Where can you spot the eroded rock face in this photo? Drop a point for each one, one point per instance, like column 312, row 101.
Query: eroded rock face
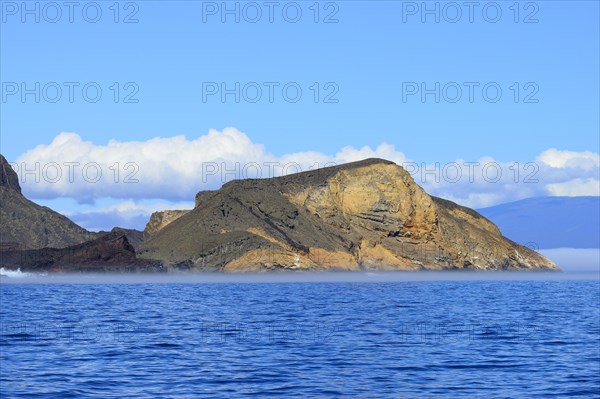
column 27, row 225
column 159, row 220
column 362, row 215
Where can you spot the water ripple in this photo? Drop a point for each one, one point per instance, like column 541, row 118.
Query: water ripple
column 450, row 339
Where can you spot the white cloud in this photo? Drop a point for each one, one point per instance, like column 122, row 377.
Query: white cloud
column 570, row 159
column 487, row 182
column 576, row 188
column 385, row 151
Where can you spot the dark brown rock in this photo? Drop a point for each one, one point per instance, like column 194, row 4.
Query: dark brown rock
column 111, row 252
column 135, row 237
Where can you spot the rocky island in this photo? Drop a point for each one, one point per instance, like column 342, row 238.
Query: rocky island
column 365, row 215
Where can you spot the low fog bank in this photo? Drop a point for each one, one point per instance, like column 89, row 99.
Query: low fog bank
column 297, row 277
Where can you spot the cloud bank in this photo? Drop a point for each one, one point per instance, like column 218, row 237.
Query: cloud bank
column 174, row 169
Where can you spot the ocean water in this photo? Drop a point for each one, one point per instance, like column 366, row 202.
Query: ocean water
column 473, row 338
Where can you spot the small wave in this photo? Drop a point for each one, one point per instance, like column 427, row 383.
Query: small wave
column 14, row 273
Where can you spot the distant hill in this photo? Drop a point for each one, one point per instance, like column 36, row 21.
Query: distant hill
column 549, row 222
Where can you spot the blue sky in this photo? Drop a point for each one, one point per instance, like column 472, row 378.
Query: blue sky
column 373, row 53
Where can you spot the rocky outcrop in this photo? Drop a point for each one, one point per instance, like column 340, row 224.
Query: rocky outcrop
column 110, row 252
column 158, row 220
column 27, row 225
column 359, row 216
column 135, row 237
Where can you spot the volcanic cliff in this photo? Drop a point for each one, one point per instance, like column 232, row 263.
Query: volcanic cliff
column 358, row 216
column 27, row 225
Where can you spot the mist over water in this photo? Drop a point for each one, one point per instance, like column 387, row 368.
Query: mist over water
column 15, row 277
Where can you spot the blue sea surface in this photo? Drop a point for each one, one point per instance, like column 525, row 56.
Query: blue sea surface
column 402, row 339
